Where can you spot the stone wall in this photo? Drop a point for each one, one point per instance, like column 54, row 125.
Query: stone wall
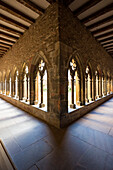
column 55, row 37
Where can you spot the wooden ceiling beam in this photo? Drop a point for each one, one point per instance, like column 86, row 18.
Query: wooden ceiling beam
column 10, row 41
column 13, row 22
column 5, row 43
column 4, row 48
column 108, row 46
column 13, row 31
column 102, row 29
column 9, row 35
column 106, row 39
column 65, row 2
column 98, row 13
column 16, row 12
column 99, row 23
column 107, row 43
column 85, row 7
column 104, row 35
column 8, row 38
column 32, row 6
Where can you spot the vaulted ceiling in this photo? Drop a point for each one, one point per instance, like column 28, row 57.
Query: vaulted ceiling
column 17, row 15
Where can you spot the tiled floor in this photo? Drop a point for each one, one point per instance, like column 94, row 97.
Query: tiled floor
column 32, row 144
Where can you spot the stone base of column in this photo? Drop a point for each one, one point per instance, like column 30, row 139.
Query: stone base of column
column 35, row 102
column 73, row 106
column 79, row 103
column 87, row 100
column 100, row 96
column 41, row 105
column 27, row 100
column 91, row 99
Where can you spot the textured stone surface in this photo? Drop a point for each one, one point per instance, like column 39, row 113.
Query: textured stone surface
column 56, row 36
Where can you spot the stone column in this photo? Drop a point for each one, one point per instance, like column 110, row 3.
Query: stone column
column 23, row 88
column 12, row 88
column 20, row 86
column 7, row 87
column 1, row 87
column 36, row 87
column 79, row 103
column 41, row 104
column 72, row 105
column 27, row 88
column 32, row 88
column 103, row 84
column 100, row 87
column 91, row 99
column 86, row 88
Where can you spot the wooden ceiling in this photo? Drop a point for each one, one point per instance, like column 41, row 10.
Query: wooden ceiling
column 17, row 15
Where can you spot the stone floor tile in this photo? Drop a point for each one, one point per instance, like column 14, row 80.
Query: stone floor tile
column 27, row 157
column 96, row 159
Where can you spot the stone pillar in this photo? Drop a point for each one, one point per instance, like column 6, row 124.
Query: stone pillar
column 86, row 88
column 36, row 90
column 79, row 103
column 94, row 88
column 23, row 88
column 72, row 105
column 103, row 84
column 20, row 86
column 41, row 104
column 7, row 87
column 32, row 88
column 91, row 99
column 100, row 87
column 12, row 88
column 27, row 81
column 1, row 87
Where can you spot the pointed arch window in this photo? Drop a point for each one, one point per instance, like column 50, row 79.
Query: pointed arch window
column 74, row 83
column 26, row 85
column 41, row 84
column 88, row 85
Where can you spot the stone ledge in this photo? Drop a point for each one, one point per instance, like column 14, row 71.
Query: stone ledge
column 68, row 118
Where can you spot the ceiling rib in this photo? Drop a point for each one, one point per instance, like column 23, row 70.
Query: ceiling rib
column 5, row 28
column 85, row 7
column 32, row 6
column 9, row 35
column 104, row 35
column 102, row 29
column 13, row 22
column 98, row 13
column 16, row 12
column 99, row 23
column 5, row 39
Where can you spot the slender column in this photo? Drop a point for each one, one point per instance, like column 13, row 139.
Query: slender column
column 72, row 105
column 103, row 84
column 36, row 102
column 12, row 88
column 20, row 86
column 7, row 87
column 91, row 89
column 1, row 87
column 41, row 104
column 86, row 87
column 100, row 87
column 23, row 88
column 27, row 86
column 110, row 86
column 79, row 92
